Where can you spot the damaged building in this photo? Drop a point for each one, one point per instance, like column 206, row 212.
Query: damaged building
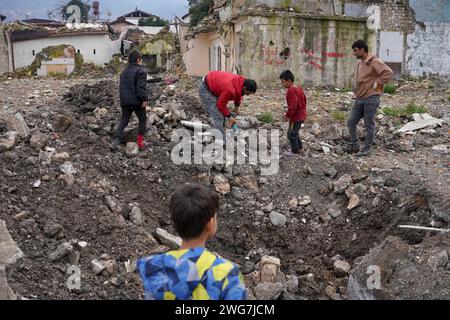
column 25, row 41
column 260, row 38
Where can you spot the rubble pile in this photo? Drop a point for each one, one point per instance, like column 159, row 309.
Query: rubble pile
column 68, row 201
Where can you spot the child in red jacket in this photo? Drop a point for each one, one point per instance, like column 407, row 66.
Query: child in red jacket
column 296, row 113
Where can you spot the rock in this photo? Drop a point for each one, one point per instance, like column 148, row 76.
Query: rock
column 315, row 129
column 268, row 208
column 330, row 291
column 221, row 184
column 341, row 268
column 38, row 141
column 247, row 181
column 17, row 123
column 277, row 219
column 293, row 202
column 63, row 156
column 304, row 201
column 22, row 215
column 325, row 217
column 358, row 189
column 113, row 204
column 269, row 267
column 353, row 202
column 82, row 244
column 110, row 266
column 136, row 216
column 62, row 123
column 131, row 149
column 8, row 140
column 97, row 267
column 237, row 193
column 10, row 260
column 437, row 260
column 333, row 132
column 74, row 257
column 342, row 183
column 46, row 156
column 268, row 291
column 292, row 283
column 67, row 168
column 330, row 172
column 395, row 270
column 67, row 179
column 63, row 250
column 171, row 241
column 158, row 111
column 144, row 164
column 54, row 230
column 333, row 210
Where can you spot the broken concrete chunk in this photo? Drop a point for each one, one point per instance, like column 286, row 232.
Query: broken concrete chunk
column 131, row 149
column 342, row 183
column 136, row 216
column 268, row 291
column 221, row 184
column 63, row 250
column 8, row 140
column 167, row 239
column 341, row 268
column 97, row 267
column 353, row 202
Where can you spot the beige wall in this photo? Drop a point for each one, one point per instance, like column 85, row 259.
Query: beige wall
column 196, row 58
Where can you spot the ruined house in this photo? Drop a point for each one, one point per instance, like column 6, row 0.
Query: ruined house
column 25, row 41
column 260, row 38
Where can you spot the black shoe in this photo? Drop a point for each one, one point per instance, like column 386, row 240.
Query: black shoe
column 366, row 151
column 351, row 148
column 115, row 144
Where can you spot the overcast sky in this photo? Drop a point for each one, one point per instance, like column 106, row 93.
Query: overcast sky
column 18, row 9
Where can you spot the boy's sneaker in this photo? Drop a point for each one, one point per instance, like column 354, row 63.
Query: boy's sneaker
column 351, row 148
column 366, row 151
column 115, row 144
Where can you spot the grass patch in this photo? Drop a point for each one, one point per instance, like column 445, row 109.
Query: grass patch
column 389, row 88
column 405, row 111
column 431, row 86
column 266, row 117
column 448, row 98
column 339, row 115
column 345, row 90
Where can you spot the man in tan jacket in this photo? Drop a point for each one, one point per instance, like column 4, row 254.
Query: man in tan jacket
column 371, row 76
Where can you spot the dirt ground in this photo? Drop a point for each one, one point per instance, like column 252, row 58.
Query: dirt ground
column 405, row 181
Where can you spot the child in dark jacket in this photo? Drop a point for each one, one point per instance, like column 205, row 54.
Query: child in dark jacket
column 296, row 113
column 193, row 272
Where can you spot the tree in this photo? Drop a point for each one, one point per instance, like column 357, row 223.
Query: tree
column 199, row 10
column 84, row 6
column 153, row 22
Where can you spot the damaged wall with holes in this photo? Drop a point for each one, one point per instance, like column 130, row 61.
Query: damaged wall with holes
column 315, row 49
column 411, row 36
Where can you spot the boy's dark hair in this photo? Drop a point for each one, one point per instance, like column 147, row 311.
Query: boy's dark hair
column 191, row 207
column 250, row 85
column 134, row 56
column 360, row 44
column 287, row 75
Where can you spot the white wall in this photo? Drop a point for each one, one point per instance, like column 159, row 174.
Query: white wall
column 86, row 43
column 428, row 50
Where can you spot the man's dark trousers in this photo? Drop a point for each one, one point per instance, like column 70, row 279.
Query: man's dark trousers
column 293, row 136
column 367, row 109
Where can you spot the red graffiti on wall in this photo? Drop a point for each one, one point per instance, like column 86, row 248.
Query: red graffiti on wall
column 316, row 65
column 312, row 55
column 270, row 55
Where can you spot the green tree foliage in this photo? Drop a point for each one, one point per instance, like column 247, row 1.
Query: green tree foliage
column 200, row 10
column 153, row 22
